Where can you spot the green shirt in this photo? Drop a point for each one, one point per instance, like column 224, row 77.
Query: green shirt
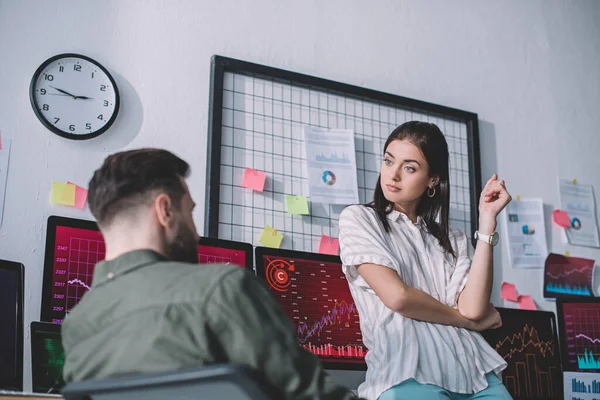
column 146, row 314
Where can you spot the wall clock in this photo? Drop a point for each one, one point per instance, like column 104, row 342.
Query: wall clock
column 74, row 96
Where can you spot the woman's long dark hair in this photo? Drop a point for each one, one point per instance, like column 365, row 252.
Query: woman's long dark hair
column 427, row 137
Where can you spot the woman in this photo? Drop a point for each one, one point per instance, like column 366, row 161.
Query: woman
column 408, row 271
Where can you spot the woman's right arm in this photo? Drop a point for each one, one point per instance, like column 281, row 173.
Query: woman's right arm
column 414, row 303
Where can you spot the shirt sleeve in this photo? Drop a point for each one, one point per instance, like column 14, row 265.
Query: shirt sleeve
column 458, row 279
column 252, row 329
column 362, row 240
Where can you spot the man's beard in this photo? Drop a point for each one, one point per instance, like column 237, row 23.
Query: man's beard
column 184, row 247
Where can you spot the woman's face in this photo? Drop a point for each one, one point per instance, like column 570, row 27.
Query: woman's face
column 404, row 173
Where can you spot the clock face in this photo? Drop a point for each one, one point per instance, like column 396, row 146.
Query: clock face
column 74, row 96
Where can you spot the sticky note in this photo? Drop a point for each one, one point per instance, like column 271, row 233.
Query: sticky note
column 526, row 303
column 296, row 204
column 0, row 140
column 254, row 179
column 62, row 193
column 80, row 195
column 329, row 245
column 270, row 237
column 561, row 218
column 508, row 291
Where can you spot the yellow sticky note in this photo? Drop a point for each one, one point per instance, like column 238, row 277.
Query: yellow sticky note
column 62, row 193
column 296, row 204
column 270, row 237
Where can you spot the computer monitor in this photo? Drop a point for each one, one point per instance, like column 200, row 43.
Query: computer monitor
column 75, row 246
column 528, row 341
column 568, row 276
column 47, row 358
column 11, row 326
column 579, row 327
column 314, row 293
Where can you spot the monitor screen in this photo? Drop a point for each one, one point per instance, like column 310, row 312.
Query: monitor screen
column 567, row 276
column 528, row 342
column 47, row 358
column 314, row 293
column 74, row 247
column 579, row 326
column 11, row 326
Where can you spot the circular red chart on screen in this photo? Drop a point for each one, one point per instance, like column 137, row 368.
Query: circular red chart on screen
column 278, row 274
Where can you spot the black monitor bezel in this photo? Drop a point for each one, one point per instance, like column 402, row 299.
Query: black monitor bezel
column 522, row 315
column 561, row 325
column 53, row 222
column 35, row 327
column 20, row 268
column 230, row 245
column 259, row 252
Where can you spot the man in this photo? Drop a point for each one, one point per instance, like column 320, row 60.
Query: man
column 153, row 308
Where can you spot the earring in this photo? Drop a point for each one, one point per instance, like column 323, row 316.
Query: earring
column 430, row 193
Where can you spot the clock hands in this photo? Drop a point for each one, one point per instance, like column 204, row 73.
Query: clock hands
column 62, row 91
column 69, row 94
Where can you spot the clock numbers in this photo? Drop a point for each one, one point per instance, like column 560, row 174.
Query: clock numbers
column 74, row 96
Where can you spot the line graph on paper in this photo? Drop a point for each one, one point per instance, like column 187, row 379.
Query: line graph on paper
column 316, row 297
column 528, row 345
column 84, row 254
column 568, row 276
column 582, row 328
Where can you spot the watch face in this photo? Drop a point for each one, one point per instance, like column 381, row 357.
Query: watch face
column 495, row 238
column 74, row 96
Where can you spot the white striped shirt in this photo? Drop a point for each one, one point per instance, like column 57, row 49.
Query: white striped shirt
column 401, row 348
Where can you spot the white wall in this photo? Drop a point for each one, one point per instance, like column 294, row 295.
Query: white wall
column 528, row 68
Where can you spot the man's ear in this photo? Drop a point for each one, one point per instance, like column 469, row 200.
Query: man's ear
column 163, row 206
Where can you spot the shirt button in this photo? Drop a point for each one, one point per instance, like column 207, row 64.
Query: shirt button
column 110, row 275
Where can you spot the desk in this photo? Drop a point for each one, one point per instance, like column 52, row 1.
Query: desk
column 29, row 396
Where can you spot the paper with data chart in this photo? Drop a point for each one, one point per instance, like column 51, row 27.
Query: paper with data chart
column 331, row 165
column 526, row 233
column 578, row 201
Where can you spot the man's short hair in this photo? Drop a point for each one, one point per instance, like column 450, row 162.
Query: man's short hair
column 129, row 179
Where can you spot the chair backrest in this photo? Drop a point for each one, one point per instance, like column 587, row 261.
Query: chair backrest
column 222, row 382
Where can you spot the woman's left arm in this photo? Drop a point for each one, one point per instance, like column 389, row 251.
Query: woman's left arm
column 473, row 301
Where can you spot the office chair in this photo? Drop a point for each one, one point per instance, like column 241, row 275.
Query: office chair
column 221, row 382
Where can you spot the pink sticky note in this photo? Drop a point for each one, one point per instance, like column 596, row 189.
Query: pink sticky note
column 0, row 140
column 80, row 195
column 561, row 218
column 254, row 179
column 508, row 291
column 329, row 245
column 526, row 303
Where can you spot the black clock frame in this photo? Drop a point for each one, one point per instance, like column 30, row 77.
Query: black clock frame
column 48, row 124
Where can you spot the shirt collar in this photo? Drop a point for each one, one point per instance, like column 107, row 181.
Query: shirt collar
column 125, row 263
column 394, row 215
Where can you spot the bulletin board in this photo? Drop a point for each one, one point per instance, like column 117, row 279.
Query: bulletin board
column 256, row 118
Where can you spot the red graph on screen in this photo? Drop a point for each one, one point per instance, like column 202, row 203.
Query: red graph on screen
column 582, row 331
column 316, row 297
column 533, row 369
column 567, row 276
column 339, row 314
column 76, row 253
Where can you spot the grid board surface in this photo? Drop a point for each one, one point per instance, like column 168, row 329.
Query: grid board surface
column 257, row 122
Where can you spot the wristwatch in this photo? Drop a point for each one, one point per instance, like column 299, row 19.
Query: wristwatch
column 492, row 239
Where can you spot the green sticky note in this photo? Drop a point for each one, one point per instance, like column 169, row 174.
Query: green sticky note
column 270, row 237
column 62, row 193
column 296, row 204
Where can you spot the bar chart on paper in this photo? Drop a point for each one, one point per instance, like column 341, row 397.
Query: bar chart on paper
column 582, row 385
